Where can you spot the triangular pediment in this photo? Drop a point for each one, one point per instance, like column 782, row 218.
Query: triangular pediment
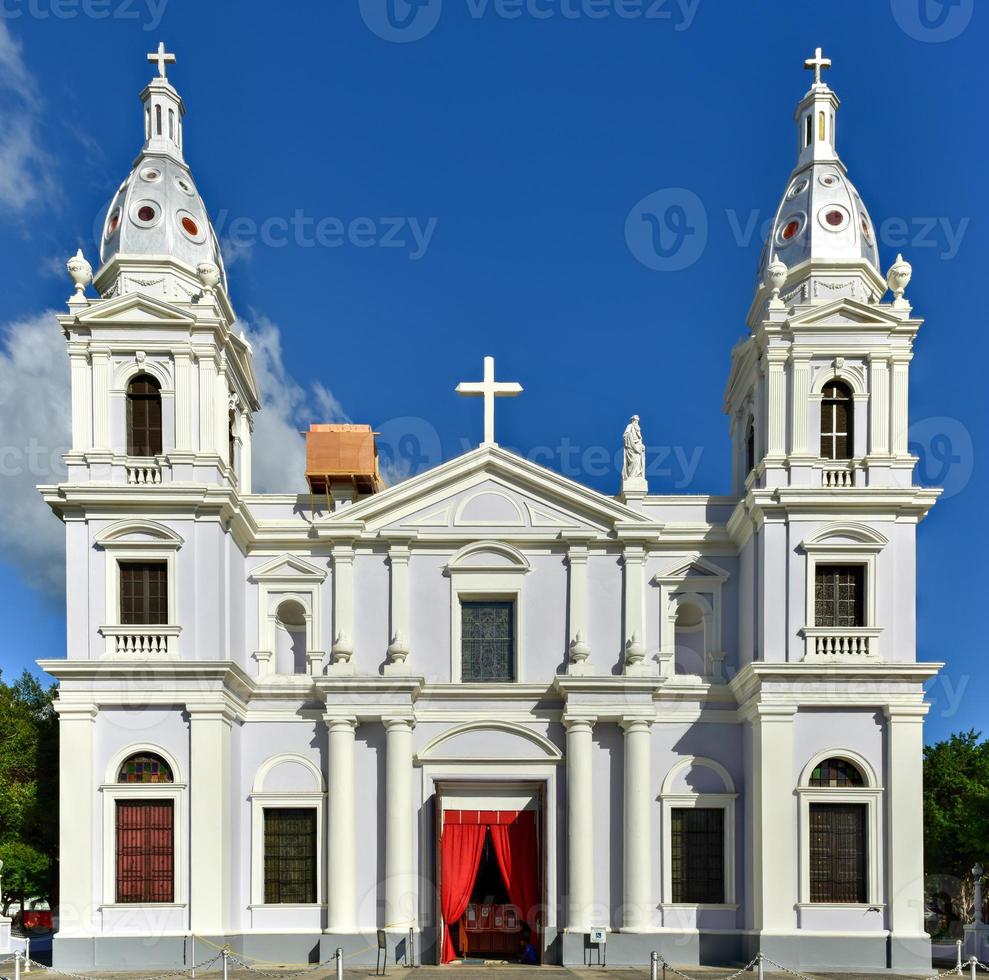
column 694, row 567
column 287, row 567
column 135, row 309
column 845, row 313
column 488, row 491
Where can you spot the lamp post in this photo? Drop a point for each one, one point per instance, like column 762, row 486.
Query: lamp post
column 977, row 872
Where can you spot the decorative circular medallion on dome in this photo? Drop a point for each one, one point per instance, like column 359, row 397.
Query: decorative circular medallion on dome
column 146, row 214
column 833, row 217
column 866, row 229
column 151, row 175
column 829, row 180
column 798, row 187
column 190, row 226
column 791, row 228
column 183, row 185
column 112, row 224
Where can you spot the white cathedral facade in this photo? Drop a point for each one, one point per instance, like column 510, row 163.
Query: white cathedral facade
column 488, row 708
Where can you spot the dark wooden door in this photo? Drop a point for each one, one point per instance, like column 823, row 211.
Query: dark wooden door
column 838, row 853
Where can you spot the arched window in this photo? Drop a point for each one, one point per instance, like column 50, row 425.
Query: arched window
column 690, row 647
column 836, row 421
column 838, row 869
column 836, row 772
column 144, row 767
column 750, row 447
column 144, row 828
column 143, row 416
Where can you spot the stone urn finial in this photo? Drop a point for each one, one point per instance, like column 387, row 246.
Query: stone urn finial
column 80, row 271
column 635, row 652
column 898, row 278
column 209, row 276
column 775, row 279
column 579, row 650
column 398, row 649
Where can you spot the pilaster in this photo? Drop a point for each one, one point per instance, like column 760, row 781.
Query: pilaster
column 798, row 411
column 343, row 605
column 210, row 839
column 82, row 412
column 398, row 561
column 207, row 424
column 879, row 404
column 100, row 357
column 183, row 401
column 900, row 403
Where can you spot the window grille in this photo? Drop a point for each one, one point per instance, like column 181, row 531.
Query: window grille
column 698, row 855
column 289, row 855
column 837, row 853
column 839, row 592
column 145, row 851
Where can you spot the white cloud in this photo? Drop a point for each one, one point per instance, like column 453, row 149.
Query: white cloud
column 278, row 451
column 34, row 422
column 25, row 168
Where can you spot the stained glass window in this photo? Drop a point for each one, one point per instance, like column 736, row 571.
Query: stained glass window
column 145, row 768
column 698, row 855
column 487, row 632
column 838, row 596
column 836, row 772
column 289, row 855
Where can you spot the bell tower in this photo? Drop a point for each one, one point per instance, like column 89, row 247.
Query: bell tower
column 163, row 387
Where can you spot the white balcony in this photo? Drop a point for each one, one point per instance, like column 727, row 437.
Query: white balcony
column 141, row 642
column 835, row 476
column 143, row 472
column 825, row 643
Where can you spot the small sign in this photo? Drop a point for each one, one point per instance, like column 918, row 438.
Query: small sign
column 597, row 936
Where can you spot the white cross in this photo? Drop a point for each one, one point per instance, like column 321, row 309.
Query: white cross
column 490, row 390
column 816, row 63
column 162, row 57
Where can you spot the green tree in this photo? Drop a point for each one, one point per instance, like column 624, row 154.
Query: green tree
column 956, row 804
column 28, row 789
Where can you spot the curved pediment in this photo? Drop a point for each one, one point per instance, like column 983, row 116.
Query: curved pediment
column 138, row 532
column 495, row 740
column 845, row 533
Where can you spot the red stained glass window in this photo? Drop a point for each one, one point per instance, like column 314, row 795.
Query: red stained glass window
column 146, row 213
column 791, row 228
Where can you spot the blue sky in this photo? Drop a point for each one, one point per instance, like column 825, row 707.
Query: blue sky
column 404, row 191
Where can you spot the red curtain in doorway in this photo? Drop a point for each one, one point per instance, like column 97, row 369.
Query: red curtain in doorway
column 518, row 858
column 461, row 846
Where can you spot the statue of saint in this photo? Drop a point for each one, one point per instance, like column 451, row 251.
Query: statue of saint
column 635, row 452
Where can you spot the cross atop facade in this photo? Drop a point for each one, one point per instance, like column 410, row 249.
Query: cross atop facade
column 816, row 63
column 162, row 57
column 489, row 389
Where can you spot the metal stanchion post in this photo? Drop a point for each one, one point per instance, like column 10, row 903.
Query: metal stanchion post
column 192, row 936
column 664, row 969
column 226, row 953
column 339, row 963
column 762, row 969
column 654, row 965
column 412, row 949
column 17, row 965
column 27, row 954
column 958, row 947
column 973, row 961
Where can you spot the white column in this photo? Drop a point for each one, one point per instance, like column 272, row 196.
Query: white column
column 900, row 403
column 207, row 404
column 210, row 839
column 878, row 405
column 398, row 560
column 400, row 877
column 101, row 397
column 78, row 800
column 341, row 845
column 245, row 452
column 637, row 833
column 577, row 560
column 905, row 828
column 776, row 407
column 580, row 825
column 798, row 410
column 82, row 409
column 773, row 838
column 183, row 401
column 343, row 602
column 221, row 408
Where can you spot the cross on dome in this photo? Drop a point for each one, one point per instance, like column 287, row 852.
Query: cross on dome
column 816, row 63
column 163, row 57
column 489, row 389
